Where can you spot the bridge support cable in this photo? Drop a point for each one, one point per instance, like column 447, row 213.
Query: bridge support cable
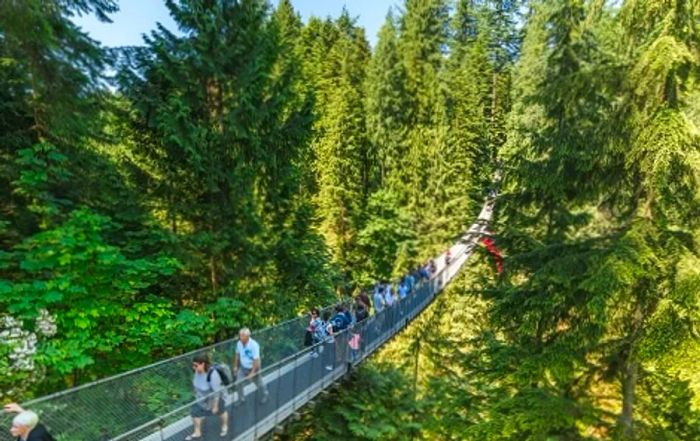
column 153, row 403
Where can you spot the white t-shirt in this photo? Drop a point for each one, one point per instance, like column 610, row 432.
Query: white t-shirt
column 388, row 296
column 248, row 353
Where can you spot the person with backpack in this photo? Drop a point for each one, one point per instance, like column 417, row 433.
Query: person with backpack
column 26, row 426
column 354, row 343
column 424, row 273
column 246, row 366
column 316, row 332
column 339, row 323
column 411, row 279
column 340, row 320
column 209, row 384
column 349, row 317
column 321, row 333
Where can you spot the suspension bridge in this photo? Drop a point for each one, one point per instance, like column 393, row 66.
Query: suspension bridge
column 153, row 403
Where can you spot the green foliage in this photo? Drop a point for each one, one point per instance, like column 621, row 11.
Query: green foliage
column 388, row 107
column 376, row 403
column 251, row 162
column 100, row 297
column 590, row 301
column 340, row 142
column 228, row 159
column 56, row 67
column 384, row 235
column 670, row 418
column 424, row 28
column 42, row 169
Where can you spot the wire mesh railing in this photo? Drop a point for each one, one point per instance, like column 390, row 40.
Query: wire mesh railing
column 117, row 404
column 293, row 382
column 153, row 403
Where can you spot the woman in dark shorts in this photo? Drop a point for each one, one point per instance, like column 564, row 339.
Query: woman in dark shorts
column 206, row 381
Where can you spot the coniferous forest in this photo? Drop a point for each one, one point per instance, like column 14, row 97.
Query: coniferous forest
column 250, row 165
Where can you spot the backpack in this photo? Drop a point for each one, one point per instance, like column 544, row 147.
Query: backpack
column 224, row 373
column 348, row 318
column 339, row 322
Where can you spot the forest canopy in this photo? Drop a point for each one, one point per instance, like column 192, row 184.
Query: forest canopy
column 156, row 198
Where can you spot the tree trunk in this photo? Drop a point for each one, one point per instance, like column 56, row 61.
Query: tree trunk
column 212, row 271
column 629, row 383
column 630, row 374
column 494, row 102
column 414, row 431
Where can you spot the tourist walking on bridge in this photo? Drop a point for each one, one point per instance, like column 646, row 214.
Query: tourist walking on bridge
column 404, row 288
column 26, row 426
column 378, row 298
column 364, row 298
column 388, row 295
column 246, row 366
column 209, row 389
column 361, row 310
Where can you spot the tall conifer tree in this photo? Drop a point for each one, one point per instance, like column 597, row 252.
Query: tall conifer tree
column 341, row 144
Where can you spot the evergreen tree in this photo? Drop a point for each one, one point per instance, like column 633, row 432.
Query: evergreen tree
column 424, row 30
column 302, row 269
column 422, row 44
column 387, row 235
column 592, row 274
column 661, row 163
column 388, row 109
column 341, row 145
column 50, row 79
column 468, row 167
column 223, row 116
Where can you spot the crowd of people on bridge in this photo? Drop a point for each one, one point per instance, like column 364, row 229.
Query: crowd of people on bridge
column 384, row 295
column 210, row 379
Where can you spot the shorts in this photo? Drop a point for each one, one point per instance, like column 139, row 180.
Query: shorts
column 199, row 411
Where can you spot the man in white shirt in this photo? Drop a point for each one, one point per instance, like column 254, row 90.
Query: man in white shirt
column 378, row 301
column 388, row 296
column 246, row 365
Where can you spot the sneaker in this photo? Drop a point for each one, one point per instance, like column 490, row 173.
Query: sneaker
column 314, row 355
column 329, row 368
